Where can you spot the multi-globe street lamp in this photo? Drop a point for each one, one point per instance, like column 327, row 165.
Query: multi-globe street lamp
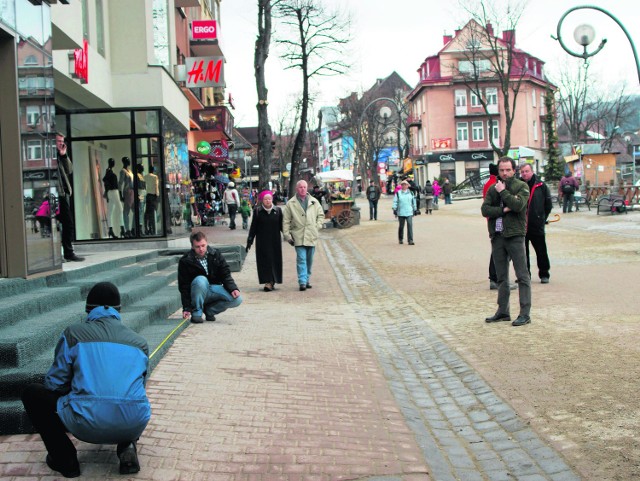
column 585, row 34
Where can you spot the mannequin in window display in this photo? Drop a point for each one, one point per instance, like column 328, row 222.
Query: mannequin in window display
column 114, row 200
column 153, row 190
column 142, row 194
column 125, row 184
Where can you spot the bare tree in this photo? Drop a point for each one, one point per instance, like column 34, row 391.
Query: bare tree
column 313, row 46
column 264, row 128
column 286, row 125
column 586, row 109
column 493, row 61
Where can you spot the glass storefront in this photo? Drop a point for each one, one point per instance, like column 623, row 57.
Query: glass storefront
column 124, row 171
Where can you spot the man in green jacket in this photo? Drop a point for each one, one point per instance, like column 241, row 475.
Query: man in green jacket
column 505, row 207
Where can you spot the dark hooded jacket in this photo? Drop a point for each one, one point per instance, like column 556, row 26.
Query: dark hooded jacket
column 539, row 207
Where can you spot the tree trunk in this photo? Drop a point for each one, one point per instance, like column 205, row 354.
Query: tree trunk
column 264, row 129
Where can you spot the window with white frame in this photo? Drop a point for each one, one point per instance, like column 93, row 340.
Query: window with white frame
column 462, row 129
column 477, row 130
column 543, row 135
column 535, row 130
column 469, row 67
column 34, row 150
column 33, row 114
column 534, row 95
column 475, row 101
column 495, row 131
column 461, row 98
column 491, row 95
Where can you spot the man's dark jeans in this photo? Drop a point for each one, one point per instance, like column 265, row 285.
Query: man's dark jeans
column 567, row 202
column 373, row 209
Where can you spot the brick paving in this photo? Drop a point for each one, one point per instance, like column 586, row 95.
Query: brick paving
column 345, row 381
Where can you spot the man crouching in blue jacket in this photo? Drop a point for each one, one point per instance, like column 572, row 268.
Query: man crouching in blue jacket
column 95, row 388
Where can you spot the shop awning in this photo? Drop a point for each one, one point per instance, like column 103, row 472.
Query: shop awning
column 335, row 176
column 210, row 159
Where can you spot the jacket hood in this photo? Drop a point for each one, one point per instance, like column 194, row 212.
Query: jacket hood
column 102, row 312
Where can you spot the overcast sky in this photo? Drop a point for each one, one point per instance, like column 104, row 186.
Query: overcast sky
column 398, row 35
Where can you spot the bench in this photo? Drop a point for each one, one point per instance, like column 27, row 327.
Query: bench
column 612, row 203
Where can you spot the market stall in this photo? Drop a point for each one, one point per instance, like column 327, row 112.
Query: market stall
column 341, row 204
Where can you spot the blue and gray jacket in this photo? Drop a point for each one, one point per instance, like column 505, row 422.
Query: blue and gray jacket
column 100, row 366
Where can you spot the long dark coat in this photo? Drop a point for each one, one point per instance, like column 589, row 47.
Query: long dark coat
column 265, row 229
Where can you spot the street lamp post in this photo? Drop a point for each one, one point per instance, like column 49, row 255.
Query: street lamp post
column 384, row 114
column 585, row 34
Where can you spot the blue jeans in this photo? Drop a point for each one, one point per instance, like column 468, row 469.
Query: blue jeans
column 447, row 199
column 304, row 261
column 373, row 209
column 212, row 298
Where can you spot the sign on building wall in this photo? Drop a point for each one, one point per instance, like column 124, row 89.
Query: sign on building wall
column 205, row 72
column 204, row 30
column 437, row 144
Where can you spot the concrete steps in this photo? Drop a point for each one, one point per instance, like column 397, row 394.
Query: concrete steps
column 34, row 312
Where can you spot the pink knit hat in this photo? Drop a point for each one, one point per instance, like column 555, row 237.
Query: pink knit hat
column 263, row 193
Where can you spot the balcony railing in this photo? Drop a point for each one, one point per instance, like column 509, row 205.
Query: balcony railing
column 414, row 121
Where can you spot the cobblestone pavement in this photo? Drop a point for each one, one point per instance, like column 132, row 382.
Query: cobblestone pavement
column 385, row 370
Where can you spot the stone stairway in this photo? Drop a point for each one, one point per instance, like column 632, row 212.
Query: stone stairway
column 34, row 312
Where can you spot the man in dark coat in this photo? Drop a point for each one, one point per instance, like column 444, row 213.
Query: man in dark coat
column 373, row 195
column 205, row 282
column 65, row 191
column 538, row 211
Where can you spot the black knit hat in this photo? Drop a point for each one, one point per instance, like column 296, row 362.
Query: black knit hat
column 103, row 294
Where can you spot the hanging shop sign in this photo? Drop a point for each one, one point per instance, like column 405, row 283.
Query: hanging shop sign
column 204, row 30
column 79, row 63
column 205, row 72
column 203, row 147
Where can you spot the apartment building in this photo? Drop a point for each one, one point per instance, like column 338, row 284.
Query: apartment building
column 450, row 128
column 106, row 75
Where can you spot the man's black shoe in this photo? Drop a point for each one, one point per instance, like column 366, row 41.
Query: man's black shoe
column 497, row 317
column 308, row 286
column 67, row 472
column 521, row 321
column 544, row 280
column 197, row 319
column 74, row 258
column 211, row 318
column 303, row 287
column 400, row 241
column 129, row 460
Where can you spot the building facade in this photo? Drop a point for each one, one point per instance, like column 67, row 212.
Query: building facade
column 103, row 75
column 450, row 128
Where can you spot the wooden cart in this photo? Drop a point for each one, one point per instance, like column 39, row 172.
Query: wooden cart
column 341, row 214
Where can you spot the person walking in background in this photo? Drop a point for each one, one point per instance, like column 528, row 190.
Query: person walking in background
column 245, row 212
column 505, row 206
column 303, row 217
column 404, row 205
column 232, row 199
column 428, row 197
column 566, row 189
column 447, row 188
column 265, row 230
column 65, row 191
column 153, row 191
column 43, row 216
column 538, row 211
column 205, row 282
column 95, row 388
column 437, row 190
column 373, row 195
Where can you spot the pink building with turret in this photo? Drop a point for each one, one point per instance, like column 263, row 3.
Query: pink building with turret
column 450, row 129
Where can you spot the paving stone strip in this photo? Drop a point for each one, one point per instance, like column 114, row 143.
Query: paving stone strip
column 465, row 430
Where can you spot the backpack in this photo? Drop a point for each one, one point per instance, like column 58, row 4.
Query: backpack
column 568, row 189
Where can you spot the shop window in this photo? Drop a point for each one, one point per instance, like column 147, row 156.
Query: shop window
column 147, row 122
column 101, row 124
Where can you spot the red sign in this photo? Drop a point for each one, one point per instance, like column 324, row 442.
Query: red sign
column 204, row 30
column 204, row 72
column 437, row 144
column 81, row 62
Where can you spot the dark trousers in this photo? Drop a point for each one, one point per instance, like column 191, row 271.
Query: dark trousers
column 150, row 214
column 503, row 248
column 41, row 405
column 66, row 223
column 409, row 221
column 540, row 246
column 493, row 276
column 373, row 209
column 567, row 202
column 233, row 209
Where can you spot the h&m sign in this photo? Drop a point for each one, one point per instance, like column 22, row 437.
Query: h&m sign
column 205, row 72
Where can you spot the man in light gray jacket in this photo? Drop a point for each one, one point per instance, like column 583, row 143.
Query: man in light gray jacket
column 303, row 217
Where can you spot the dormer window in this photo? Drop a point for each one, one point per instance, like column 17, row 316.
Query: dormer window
column 31, row 60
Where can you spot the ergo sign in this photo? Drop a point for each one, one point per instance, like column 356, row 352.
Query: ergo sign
column 204, row 30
